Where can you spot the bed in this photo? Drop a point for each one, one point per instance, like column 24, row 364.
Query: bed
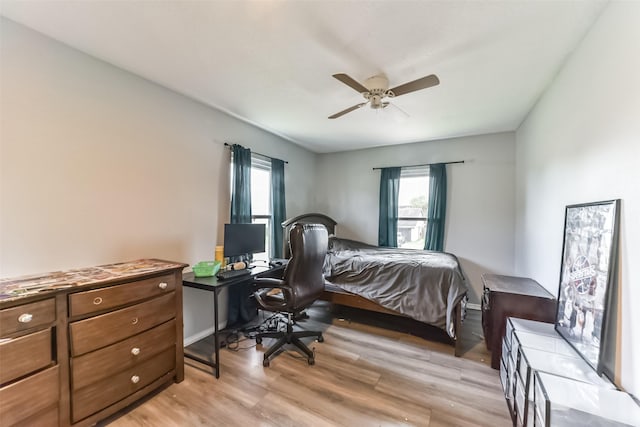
column 423, row 285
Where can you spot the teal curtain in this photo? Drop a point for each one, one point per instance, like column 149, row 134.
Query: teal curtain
column 241, row 308
column 388, row 218
column 241, row 186
column 434, row 240
column 278, row 206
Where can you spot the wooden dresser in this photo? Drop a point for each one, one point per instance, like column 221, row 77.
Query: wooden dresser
column 29, row 370
column 78, row 346
column 508, row 296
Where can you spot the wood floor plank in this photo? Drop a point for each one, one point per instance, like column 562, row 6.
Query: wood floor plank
column 364, row 375
column 302, row 385
column 360, row 397
column 447, row 419
column 397, row 360
column 282, row 411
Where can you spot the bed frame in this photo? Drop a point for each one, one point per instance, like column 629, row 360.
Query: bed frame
column 346, row 298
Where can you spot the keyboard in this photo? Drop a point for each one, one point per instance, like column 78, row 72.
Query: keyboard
column 232, row 274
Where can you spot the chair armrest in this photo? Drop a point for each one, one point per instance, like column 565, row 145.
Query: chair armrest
column 268, row 282
column 262, row 297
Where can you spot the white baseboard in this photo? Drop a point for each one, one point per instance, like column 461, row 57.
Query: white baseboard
column 472, row 306
column 197, row 337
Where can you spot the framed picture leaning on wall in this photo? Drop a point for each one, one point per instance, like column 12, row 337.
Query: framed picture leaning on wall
column 589, row 255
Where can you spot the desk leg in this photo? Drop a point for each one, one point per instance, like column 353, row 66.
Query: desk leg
column 215, row 332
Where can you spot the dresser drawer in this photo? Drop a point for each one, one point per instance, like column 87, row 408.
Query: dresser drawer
column 50, row 417
column 27, row 316
column 101, row 394
column 29, row 396
column 104, row 363
column 21, row 356
column 97, row 332
column 95, row 300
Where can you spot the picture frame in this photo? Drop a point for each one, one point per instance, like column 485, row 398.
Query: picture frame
column 589, row 260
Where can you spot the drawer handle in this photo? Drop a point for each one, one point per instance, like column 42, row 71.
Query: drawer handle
column 162, row 285
column 25, row 318
column 97, row 301
column 135, row 379
column 134, row 321
column 135, row 351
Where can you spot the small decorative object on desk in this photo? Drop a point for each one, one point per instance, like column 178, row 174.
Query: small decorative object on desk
column 206, row 268
column 220, row 256
column 240, row 265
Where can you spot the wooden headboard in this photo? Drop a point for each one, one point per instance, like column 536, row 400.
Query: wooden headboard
column 310, row 218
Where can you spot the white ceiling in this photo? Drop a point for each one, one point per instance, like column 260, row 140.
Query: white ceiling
column 270, row 62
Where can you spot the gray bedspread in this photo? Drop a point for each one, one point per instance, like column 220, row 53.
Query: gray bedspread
column 423, row 285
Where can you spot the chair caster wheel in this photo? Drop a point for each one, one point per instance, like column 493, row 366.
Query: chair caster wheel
column 320, row 338
column 265, row 363
column 258, row 340
column 311, row 361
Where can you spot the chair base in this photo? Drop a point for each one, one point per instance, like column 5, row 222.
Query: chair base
column 289, row 337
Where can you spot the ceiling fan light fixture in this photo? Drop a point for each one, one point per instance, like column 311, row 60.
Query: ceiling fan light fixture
column 377, row 84
column 376, row 102
column 375, row 89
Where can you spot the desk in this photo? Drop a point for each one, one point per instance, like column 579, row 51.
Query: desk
column 212, row 284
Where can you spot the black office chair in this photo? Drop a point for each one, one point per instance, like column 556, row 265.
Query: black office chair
column 302, row 284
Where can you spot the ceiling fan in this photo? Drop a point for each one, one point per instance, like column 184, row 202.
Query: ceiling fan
column 376, row 89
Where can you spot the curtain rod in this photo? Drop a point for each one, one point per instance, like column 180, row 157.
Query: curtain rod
column 426, row 164
column 263, row 155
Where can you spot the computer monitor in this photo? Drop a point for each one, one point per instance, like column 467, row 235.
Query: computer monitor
column 243, row 239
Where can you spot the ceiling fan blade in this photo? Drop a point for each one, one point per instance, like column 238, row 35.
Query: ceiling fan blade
column 351, row 82
column 348, row 110
column 419, row 84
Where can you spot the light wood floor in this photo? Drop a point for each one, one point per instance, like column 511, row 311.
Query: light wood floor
column 364, row 375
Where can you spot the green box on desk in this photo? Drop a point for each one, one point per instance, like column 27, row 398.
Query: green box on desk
column 206, row 268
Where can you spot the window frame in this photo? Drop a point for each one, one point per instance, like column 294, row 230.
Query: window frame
column 413, row 172
column 261, row 162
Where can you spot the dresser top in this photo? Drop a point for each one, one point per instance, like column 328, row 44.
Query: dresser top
column 515, row 285
column 37, row 284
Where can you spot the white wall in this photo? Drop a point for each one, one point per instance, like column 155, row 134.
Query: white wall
column 98, row 165
column 581, row 143
column 480, row 204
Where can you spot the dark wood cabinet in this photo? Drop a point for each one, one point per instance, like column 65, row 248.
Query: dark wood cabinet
column 78, row 346
column 29, row 384
column 508, row 296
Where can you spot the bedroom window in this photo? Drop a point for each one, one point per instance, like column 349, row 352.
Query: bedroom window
column 261, row 212
column 412, row 207
column 258, row 195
